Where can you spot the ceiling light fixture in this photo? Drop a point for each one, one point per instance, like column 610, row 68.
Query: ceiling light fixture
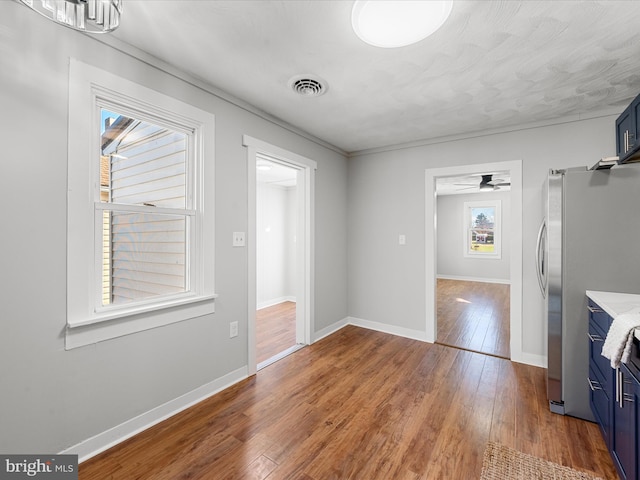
column 397, row 23
column 93, row 16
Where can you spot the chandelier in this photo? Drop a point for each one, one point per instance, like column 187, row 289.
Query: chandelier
column 94, row 16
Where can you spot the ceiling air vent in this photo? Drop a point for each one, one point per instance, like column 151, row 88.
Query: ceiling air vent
column 308, row 85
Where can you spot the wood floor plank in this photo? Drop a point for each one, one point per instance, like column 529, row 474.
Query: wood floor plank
column 460, row 444
column 360, row 404
column 259, row 469
column 527, row 414
column 474, row 316
column 503, row 425
column 275, row 330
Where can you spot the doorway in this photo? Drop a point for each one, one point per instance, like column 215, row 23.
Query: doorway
column 473, row 213
column 301, row 248
column 465, row 300
column 276, row 269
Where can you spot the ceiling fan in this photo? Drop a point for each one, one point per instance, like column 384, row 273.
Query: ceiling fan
column 487, row 182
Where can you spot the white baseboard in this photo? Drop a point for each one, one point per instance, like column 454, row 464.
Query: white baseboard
column 333, row 328
column 275, row 301
column 393, row 330
column 475, row 279
column 105, row 440
column 379, row 327
column 526, row 358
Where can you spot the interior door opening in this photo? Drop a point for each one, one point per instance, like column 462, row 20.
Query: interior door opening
column 277, row 274
column 262, row 153
column 435, row 226
column 472, row 262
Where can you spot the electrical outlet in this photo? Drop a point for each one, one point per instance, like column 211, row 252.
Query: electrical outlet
column 233, row 329
column 238, row 239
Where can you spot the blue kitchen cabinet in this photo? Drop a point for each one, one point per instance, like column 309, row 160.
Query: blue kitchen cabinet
column 625, row 126
column 600, row 372
column 614, row 398
column 628, row 133
column 624, row 443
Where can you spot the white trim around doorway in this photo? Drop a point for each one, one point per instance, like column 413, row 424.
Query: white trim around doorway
column 515, row 169
column 306, row 194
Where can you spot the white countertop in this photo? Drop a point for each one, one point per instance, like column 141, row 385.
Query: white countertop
column 615, row 303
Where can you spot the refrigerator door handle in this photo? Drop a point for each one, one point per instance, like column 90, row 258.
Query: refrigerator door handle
column 542, row 279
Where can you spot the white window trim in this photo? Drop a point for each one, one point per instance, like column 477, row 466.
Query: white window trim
column 85, row 323
column 497, row 229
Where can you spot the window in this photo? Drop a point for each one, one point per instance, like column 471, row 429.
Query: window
column 482, row 229
column 145, row 248
column 140, row 220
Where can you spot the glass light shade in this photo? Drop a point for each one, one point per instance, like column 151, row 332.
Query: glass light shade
column 397, row 23
column 94, row 16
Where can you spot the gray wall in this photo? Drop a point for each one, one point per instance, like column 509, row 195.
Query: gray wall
column 387, row 196
column 276, row 216
column 52, row 398
column 451, row 239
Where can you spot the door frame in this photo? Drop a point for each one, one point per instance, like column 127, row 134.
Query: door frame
column 304, row 242
column 515, row 228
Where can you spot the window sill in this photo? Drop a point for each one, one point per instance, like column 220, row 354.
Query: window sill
column 121, row 323
column 131, row 311
column 490, row 256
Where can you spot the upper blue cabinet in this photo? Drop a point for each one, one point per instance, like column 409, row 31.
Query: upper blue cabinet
column 628, row 133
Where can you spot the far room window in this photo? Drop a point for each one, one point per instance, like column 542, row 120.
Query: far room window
column 482, row 229
column 141, row 221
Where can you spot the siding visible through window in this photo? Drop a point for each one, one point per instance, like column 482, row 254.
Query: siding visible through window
column 147, row 250
column 141, row 231
column 106, row 231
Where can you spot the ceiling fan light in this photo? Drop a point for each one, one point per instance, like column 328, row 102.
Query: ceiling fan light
column 397, row 23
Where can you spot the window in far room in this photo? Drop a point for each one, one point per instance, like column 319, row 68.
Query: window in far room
column 482, row 229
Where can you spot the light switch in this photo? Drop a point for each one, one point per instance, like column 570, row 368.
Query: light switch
column 238, row 239
column 402, row 240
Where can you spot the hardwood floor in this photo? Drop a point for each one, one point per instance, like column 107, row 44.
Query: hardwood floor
column 275, row 330
column 360, row 404
column 474, row 316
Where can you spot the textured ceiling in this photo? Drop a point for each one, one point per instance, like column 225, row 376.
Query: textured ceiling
column 494, row 64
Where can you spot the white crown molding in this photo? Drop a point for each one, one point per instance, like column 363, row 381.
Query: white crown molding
column 169, row 69
column 485, row 133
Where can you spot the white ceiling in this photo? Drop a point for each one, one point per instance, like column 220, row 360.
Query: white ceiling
column 276, row 174
column 494, row 64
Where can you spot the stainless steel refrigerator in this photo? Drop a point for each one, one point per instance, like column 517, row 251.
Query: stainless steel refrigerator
column 589, row 240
